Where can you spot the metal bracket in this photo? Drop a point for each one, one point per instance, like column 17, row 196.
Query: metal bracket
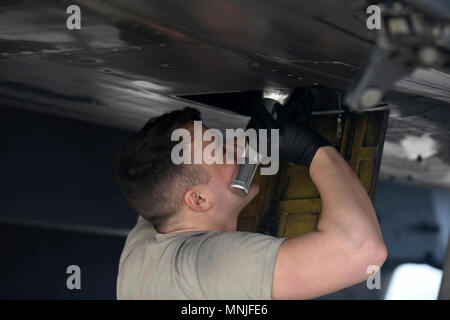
column 408, row 38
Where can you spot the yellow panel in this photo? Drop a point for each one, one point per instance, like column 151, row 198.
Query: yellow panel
column 300, row 205
column 374, row 130
column 247, row 223
column 368, row 139
column 366, row 173
column 291, row 197
column 296, row 224
column 296, row 183
column 298, row 217
column 326, row 125
column 250, row 217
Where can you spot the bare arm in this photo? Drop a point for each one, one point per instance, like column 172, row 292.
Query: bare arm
column 348, row 238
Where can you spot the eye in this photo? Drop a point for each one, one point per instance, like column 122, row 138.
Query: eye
column 226, row 146
column 226, row 150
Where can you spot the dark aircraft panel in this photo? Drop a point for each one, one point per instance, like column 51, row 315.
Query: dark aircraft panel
column 135, row 59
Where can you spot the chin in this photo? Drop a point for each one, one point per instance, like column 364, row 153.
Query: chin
column 241, row 201
column 254, row 190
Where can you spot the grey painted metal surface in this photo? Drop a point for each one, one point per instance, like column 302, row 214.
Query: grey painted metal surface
column 132, row 60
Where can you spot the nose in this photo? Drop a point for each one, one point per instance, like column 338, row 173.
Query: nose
column 231, row 148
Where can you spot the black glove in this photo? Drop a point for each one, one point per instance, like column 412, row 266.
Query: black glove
column 298, row 143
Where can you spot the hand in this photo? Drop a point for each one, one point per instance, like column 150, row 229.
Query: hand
column 298, row 143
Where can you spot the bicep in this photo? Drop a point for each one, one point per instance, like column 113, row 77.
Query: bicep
column 314, row 265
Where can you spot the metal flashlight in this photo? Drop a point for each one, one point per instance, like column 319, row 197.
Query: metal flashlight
column 246, row 172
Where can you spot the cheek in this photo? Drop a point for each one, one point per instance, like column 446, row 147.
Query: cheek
column 233, row 168
column 228, row 172
column 220, row 181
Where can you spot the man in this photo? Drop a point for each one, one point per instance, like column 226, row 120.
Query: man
column 185, row 244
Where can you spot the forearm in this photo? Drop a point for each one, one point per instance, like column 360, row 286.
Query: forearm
column 347, row 241
column 346, row 208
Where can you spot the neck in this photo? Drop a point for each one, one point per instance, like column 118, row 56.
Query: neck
column 203, row 225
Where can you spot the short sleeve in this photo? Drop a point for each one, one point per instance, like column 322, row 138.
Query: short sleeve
column 142, row 231
column 237, row 265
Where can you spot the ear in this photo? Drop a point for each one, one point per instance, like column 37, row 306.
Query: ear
column 197, row 199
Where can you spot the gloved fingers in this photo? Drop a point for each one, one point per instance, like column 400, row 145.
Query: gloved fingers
column 261, row 118
column 305, row 111
column 299, row 105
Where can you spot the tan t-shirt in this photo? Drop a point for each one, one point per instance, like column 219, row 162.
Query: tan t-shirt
column 196, row 265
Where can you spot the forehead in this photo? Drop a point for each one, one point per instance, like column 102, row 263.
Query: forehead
column 199, row 130
column 216, row 136
column 190, row 127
